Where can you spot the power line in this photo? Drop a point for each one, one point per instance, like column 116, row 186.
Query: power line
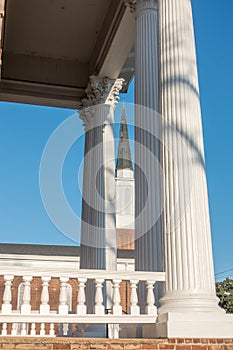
column 220, row 273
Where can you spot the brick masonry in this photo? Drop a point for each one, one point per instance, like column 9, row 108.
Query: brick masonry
column 30, row 343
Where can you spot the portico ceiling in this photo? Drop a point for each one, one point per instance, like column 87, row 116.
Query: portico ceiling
column 51, row 47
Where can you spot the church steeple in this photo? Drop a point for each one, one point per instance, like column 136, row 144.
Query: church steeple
column 125, row 186
column 124, row 160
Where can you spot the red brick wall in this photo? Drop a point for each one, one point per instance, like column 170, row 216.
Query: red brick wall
column 120, row 344
column 125, row 239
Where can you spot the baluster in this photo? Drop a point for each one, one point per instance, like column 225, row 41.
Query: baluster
column 26, row 306
column 24, row 329
column 33, row 329
column 117, row 308
column 42, row 328
column 44, row 306
column 99, row 308
column 151, row 309
column 113, row 331
column 81, row 307
column 65, row 328
column 51, row 330
column 134, row 308
column 4, row 328
column 63, row 307
column 7, row 296
column 13, row 329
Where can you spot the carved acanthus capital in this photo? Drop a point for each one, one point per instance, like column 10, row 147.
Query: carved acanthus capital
column 103, row 90
column 138, row 5
column 99, row 91
column 113, row 96
column 86, row 114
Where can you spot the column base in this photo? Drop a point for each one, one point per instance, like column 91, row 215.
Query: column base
column 188, row 302
column 190, row 325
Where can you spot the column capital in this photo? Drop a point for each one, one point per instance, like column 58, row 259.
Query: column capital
column 86, row 114
column 139, row 5
column 102, row 91
column 99, row 91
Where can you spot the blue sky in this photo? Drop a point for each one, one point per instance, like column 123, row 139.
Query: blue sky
column 25, row 130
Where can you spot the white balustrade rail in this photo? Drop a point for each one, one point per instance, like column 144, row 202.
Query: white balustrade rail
column 43, row 321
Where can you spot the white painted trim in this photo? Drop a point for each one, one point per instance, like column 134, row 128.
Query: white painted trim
column 72, row 318
column 90, row 274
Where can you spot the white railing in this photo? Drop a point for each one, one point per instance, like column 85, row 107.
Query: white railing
column 46, row 322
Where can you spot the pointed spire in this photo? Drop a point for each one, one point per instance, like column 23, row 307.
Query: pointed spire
column 124, row 160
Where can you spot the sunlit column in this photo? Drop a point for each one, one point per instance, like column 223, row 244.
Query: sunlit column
column 148, row 231
column 190, row 281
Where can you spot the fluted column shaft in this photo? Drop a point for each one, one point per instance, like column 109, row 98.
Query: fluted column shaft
column 92, row 235
column 187, row 238
column 98, row 236
column 109, row 191
column 148, row 245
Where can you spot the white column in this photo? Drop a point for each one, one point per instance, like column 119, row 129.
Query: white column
column 44, row 306
column 187, row 251
column 7, row 295
column 26, row 306
column 148, row 228
column 63, row 307
column 98, row 236
column 88, row 253
column 2, row 6
column 190, row 284
column 148, row 245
